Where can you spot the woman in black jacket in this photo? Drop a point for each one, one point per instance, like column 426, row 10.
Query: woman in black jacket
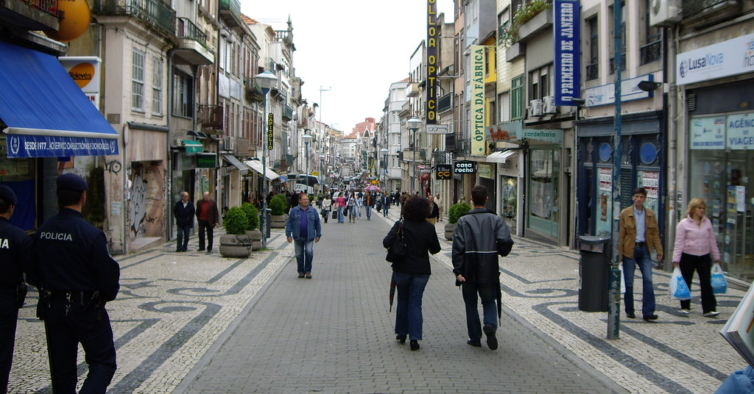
column 411, row 274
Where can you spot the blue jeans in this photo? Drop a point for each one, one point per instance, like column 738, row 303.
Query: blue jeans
column 408, row 314
column 641, row 256
column 369, row 212
column 304, row 255
column 488, row 293
column 385, row 208
column 341, row 218
column 182, row 239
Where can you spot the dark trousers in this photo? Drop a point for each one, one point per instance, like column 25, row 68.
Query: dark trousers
column 181, row 242
column 88, row 326
column 203, row 224
column 488, row 293
column 8, row 318
column 703, row 266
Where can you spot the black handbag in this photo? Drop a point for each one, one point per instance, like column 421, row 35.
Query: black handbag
column 334, row 214
column 397, row 251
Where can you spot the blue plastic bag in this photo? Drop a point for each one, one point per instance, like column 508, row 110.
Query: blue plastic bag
column 679, row 290
column 719, row 283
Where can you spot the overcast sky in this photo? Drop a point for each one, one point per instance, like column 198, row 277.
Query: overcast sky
column 354, row 48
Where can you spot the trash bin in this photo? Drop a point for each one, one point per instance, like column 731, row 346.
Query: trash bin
column 594, row 270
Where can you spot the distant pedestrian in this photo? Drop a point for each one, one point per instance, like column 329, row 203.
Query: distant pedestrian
column 695, row 250
column 412, row 273
column 638, row 234
column 480, row 236
column 183, row 211
column 15, row 254
column 359, row 204
column 387, row 200
column 304, row 229
column 208, row 217
column 340, row 204
column 352, row 207
column 76, row 277
column 438, row 201
column 434, row 211
column 368, row 204
column 326, row 207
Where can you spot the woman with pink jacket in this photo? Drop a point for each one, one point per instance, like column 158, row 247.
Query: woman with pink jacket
column 695, row 249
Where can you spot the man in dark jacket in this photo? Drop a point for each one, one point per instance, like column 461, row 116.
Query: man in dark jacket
column 480, row 236
column 208, row 217
column 184, row 220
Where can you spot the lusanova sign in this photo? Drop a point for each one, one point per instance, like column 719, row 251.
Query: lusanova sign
column 731, row 57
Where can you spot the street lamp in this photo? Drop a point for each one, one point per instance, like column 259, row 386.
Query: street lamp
column 266, row 81
column 306, row 137
column 413, row 125
column 384, row 170
column 321, row 171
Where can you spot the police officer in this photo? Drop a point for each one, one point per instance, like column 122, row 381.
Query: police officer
column 76, row 277
column 15, row 249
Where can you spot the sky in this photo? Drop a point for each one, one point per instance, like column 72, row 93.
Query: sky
column 349, row 51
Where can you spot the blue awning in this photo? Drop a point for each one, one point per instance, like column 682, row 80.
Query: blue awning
column 46, row 113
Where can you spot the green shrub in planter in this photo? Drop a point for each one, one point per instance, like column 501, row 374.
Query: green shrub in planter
column 278, row 205
column 236, row 221
column 456, row 211
column 252, row 214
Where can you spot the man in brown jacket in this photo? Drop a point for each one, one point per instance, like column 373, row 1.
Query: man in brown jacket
column 208, row 217
column 638, row 234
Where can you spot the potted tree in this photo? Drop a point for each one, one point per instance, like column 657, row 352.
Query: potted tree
column 252, row 214
column 235, row 242
column 455, row 213
column 278, row 215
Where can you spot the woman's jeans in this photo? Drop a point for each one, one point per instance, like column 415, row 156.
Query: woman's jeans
column 488, row 293
column 642, row 258
column 304, row 255
column 408, row 314
column 703, row 266
column 341, row 218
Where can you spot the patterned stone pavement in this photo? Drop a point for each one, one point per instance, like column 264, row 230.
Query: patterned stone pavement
column 192, row 322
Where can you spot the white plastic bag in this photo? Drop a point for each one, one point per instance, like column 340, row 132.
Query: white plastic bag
column 719, row 283
column 622, row 280
column 679, row 290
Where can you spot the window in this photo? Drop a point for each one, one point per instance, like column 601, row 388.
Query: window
column 183, row 95
column 137, row 81
column 517, row 98
column 592, row 68
column 651, row 51
column 157, row 86
column 540, row 83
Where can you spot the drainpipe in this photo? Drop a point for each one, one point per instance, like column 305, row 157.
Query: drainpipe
column 671, row 110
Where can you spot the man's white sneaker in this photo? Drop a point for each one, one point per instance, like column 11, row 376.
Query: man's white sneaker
column 711, row 314
column 685, row 311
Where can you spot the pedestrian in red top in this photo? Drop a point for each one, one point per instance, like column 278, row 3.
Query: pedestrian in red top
column 208, row 217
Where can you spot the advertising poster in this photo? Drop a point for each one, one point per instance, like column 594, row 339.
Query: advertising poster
column 650, row 180
column 604, row 202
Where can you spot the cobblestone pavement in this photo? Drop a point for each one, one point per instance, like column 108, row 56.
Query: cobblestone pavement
column 198, row 323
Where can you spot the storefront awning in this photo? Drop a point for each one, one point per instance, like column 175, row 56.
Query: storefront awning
column 256, row 165
column 191, row 146
column 242, row 168
column 500, row 157
column 46, row 113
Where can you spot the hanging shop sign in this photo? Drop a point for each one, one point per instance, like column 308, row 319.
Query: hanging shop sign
column 444, row 171
column 206, row 160
column 567, row 51
column 465, row 167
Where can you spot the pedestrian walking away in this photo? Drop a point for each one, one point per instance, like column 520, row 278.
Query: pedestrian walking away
column 184, row 220
column 386, row 202
column 412, row 272
column 695, row 250
column 480, row 237
column 15, row 254
column 208, row 217
column 638, row 235
column 438, row 201
column 434, row 211
column 76, row 277
column 304, row 229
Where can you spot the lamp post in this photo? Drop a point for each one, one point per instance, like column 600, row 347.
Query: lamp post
column 384, row 168
column 413, row 125
column 321, row 171
column 266, row 81
column 306, row 137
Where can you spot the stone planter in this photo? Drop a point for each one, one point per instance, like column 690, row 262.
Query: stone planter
column 450, row 230
column 278, row 221
column 256, row 239
column 235, row 245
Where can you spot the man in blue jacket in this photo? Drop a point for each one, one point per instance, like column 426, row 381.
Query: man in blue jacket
column 303, row 227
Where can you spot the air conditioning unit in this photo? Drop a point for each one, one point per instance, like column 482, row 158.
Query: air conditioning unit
column 549, row 105
column 228, row 144
column 664, row 12
column 535, row 107
column 177, row 142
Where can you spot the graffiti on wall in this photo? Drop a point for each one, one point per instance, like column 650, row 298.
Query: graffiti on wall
column 148, row 188
column 138, row 210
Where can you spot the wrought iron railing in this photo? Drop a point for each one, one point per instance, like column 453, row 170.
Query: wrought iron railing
column 592, row 71
column 47, row 6
column 622, row 63
column 693, row 7
column 651, row 52
column 185, row 28
column 287, row 112
column 445, row 102
column 155, row 13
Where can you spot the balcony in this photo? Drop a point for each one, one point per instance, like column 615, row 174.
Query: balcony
column 701, row 13
column 252, row 91
column 462, row 146
column 413, row 90
column 287, row 113
column 153, row 13
column 210, row 117
column 230, row 12
column 622, row 63
column 445, row 103
column 192, row 43
column 651, row 52
column 540, row 22
column 31, row 14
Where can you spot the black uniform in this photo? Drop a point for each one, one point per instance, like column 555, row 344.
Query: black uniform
column 76, row 277
column 15, row 248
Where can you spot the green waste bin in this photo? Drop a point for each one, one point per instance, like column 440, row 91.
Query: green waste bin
column 594, row 270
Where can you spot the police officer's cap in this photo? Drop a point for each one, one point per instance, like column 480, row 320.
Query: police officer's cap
column 71, row 182
column 7, row 195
